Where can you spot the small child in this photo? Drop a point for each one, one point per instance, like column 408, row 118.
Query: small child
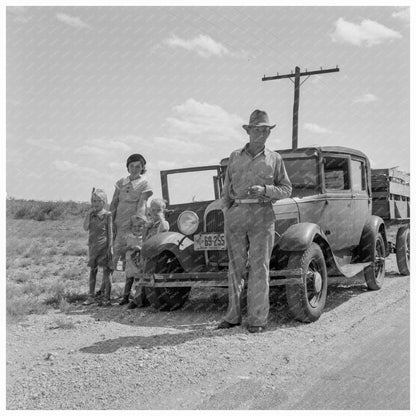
column 98, row 223
column 157, row 221
column 156, row 224
column 134, row 242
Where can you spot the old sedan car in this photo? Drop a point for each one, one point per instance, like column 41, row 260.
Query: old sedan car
column 324, row 232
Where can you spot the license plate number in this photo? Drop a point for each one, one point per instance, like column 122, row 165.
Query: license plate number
column 209, row 241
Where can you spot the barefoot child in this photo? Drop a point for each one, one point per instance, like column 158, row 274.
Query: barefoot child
column 134, row 242
column 98, row 223
column 156, row 224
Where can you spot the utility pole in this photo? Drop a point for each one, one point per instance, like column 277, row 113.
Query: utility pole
column 297, row 83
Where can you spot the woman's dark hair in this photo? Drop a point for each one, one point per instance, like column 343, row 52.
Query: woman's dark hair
column 137, row 157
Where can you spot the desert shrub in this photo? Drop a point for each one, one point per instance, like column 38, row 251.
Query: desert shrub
column 22, row 262
column 62, row 324
column 72, row 297
column 23, row 212
column 33, row 288
column 56, row 293
column 21, row 276
column 16, row 246
column 53, row 251
column 45, row 210
column 71, row 274
column 74, row 248
column 64, row 306
column 35, row 250
column 24, row 305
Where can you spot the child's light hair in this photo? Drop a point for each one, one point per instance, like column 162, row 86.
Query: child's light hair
column 158, row 203
column 100, row 194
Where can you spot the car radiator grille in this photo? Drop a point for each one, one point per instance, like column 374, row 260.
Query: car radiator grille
column 215, row 224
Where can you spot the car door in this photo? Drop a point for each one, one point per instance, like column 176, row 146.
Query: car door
column 361, row 198
column 337, row 219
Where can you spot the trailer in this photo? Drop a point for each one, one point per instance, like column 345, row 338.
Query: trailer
column 391, row 201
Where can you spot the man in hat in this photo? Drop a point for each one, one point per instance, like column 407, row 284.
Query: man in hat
column 255, row 178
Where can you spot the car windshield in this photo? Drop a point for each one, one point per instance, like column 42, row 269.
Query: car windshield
column 303, row 173
column 193, row 186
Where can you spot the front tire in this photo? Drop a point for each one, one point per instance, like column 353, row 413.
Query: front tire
column 307, row 300
column 374, row 274
column 167, row 298
column 403, row 250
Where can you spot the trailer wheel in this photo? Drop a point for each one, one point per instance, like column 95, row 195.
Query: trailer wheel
column 403, row 250
column 167, row 298
column 374, row 274
column 307, row 300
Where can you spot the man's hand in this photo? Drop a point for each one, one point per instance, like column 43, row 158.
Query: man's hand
column 257, row 190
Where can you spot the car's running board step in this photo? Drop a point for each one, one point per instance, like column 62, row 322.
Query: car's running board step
column 352, row 270
column 277, row 278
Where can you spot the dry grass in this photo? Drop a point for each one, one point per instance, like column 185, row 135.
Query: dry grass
column 46, row 266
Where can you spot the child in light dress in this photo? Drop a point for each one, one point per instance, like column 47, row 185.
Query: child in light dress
column 156, row 223
column 133, row 244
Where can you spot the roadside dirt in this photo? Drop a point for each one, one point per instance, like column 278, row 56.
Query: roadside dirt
column 113, row 358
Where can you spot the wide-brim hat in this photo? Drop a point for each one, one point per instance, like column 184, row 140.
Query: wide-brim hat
column 259, row 118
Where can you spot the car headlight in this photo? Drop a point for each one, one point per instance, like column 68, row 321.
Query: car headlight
column 188, row 222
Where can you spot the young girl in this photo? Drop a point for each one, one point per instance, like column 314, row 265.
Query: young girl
column 98, row 223
column 156, row 223
column 134, row 242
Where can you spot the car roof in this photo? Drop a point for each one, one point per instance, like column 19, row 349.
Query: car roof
column 326, row 149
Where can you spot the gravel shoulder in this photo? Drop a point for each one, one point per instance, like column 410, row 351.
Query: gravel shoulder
column 113, row 358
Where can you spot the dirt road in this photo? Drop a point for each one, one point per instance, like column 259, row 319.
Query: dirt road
column 356, row 356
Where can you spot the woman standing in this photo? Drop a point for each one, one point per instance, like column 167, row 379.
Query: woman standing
column 130, row 197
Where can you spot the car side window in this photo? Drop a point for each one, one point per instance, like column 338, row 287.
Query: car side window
column 336, row 173
column 358, row 175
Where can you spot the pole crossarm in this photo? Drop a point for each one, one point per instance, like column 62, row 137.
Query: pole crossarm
column 297, row 75
column 301, row 74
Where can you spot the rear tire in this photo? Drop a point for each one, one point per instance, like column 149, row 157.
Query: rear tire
column 307, row 300
column 374, row 274
column 167, row 298
column 403, row 250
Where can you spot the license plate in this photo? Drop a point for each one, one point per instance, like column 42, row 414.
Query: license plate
column 209, row 241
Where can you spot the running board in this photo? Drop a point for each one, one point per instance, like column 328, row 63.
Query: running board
column 220, row 279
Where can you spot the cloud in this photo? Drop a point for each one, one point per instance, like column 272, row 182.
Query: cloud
column 402, row 14
column 73, row 168
column 179, row 146
column 314, row 128
column 103, row 147
column 367, row 33
column 45, row 144
column 71, row 20
column 366, row 98
column 203, row 45
column 194, row 118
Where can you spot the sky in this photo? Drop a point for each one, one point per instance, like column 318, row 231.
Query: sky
column 88, row 86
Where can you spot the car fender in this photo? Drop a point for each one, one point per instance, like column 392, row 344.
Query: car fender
column 373, row 226
column 179, row 245
column 298, row 237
